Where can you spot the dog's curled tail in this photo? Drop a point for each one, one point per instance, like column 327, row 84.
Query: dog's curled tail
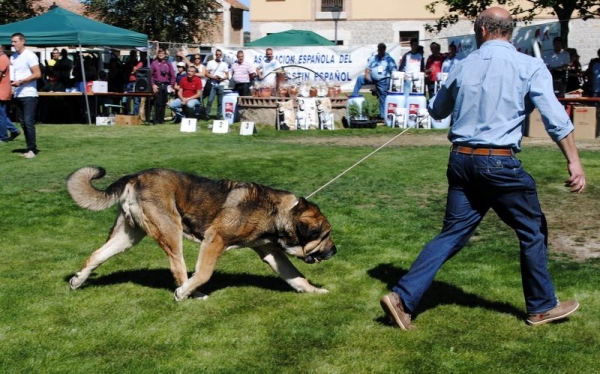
column 79, row 185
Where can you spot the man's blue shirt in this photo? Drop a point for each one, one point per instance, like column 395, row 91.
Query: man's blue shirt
column 490, row 93
column 381, row 68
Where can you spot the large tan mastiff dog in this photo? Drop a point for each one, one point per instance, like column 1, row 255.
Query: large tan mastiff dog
column 220, row 214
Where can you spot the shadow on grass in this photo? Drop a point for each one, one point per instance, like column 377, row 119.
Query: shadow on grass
column 163, row 279
column 441, row 293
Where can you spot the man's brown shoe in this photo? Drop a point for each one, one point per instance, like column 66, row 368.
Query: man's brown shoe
column 560, row 311
column 392, row 306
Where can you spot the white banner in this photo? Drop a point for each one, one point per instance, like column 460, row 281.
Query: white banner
column 337, row 64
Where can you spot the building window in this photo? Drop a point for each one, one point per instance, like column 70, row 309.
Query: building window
column 328, row 5
column 406, row 36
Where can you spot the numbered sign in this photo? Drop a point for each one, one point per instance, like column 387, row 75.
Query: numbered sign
column 247, row 128
column 188, row 125
column 220, row 127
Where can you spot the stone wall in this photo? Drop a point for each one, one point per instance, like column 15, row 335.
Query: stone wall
column 583, row 35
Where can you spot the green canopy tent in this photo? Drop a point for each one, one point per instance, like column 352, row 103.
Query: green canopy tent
column 60, row 27
column 291, row 38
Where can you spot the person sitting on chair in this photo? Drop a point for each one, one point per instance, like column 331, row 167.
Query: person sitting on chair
column 189, row 94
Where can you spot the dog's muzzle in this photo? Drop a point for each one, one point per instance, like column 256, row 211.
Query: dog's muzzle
column 320, row 256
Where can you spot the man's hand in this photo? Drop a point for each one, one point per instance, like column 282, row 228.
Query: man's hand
column 576, row 179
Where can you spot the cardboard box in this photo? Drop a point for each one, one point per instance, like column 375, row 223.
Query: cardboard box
column 584, row 120
column 126, row 120
column 99, row 86
column 535, row 126
column 105, row 121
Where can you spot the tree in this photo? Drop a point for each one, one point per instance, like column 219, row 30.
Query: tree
column 17, row 10
column 165, row 20
column 525, row 11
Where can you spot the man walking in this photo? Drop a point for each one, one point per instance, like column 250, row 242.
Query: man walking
column 26, row 71
column 489, row 110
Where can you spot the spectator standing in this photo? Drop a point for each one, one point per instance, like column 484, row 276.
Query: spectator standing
column 242, row 74
column 161, row 77
column 8, row 131
column 265, row 71
column 378, row 72
column 593, row 75
column 25, row 68
column 450, row 60
column 54, row 58
column 180, row 73
column 115, row 78
column 412, row 63
column 433, row 66
column 63, row 69
column 489, row 110
column 218, row 76
column 557, row 60
column 574, row 71
column 189, row 94
column 132, row 65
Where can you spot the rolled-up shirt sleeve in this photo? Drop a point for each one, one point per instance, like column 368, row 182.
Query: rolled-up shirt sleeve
column 541, row 92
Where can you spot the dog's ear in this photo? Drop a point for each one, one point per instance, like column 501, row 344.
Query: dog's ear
column 301, row 204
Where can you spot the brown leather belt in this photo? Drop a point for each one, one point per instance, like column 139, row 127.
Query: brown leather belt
column 482, row 151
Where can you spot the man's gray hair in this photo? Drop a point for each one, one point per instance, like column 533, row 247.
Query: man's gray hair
column 497, row 26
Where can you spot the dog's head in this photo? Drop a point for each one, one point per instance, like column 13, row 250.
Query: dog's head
column 310, row 238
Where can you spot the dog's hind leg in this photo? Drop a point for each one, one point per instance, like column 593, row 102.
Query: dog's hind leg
column 282, row 265
column 170, row 238
column 121, row 238
column 210, row 250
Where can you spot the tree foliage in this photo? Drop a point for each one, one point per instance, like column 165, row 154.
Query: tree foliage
column 165, row 20
column 526, row 11
column 17, row 10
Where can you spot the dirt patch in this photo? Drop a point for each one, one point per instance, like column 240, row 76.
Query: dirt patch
column 578, row 242
column 421, row 138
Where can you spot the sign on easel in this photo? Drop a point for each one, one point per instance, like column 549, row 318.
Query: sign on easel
column 220, row 127
column 188, row 124
column 247, row 128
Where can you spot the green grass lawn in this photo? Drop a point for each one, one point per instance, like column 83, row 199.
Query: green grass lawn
column 124, row 319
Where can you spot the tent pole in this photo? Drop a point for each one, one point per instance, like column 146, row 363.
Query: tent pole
column 87, row 102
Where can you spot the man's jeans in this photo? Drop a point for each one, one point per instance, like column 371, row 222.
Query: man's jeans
column 6, row 126
column 382, row 86
column 26, row 109
column 216, row 91
column 176, row 106
column 476, row 184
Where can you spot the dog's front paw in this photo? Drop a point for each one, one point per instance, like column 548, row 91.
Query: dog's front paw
column 180, row 294
column 319, row 290
column 75, row 282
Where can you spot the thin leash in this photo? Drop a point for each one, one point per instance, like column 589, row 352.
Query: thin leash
column 358, row 162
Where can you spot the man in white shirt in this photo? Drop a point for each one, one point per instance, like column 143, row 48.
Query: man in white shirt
column 25, row 70
column 411, row 63
column 217, row 73
column 267, row 67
